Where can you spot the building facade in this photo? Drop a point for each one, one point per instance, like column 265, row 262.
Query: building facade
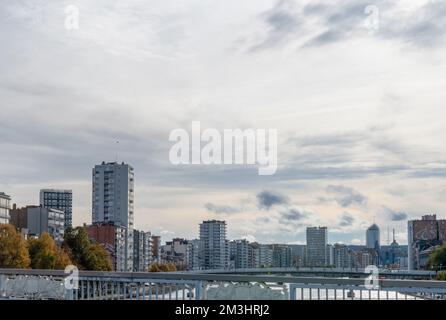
column 175, row 252
column 5, row 206
column 423, row 235
column 113, row 239
column 142, row 251
column 373, row 241
column 193, row 255
column 35, row 220
column 60, row 200
column 113, row 200
column 316, row 246
column 215, row 247
column 282, row 256
column 241, row 254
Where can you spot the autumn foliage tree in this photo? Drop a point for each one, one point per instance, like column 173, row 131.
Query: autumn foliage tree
column 45, row 254
column 13, row 248
column 162, row 267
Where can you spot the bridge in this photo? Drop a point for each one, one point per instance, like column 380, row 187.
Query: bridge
column 91, row 285
column 328, row 272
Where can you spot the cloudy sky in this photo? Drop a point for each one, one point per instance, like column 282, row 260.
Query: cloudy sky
column 359, row 110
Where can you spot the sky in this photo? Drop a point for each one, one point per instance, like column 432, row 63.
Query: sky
column 359, row 110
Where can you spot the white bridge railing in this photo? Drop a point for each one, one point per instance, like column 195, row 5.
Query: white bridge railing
column 45, row 284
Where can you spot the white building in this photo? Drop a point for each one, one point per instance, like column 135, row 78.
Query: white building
column 5, row 206
column 317, row 246
column 373, row 237
column 215, row 249
column 113, row 200
column 60, row 200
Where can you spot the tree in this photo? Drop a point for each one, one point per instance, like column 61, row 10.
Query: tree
column 45, row 254
column 438, row 257
column 83, row 253
column 13, row 248
column 441, row 276
column 159, row 267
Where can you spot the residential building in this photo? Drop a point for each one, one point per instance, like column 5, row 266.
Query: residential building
column 5, row 206
column 317, row 246
column 240, row 252
column 341, row 256
column 142, row 251
column 35, row 220
column 175, row 252
column 215, row 248
column 113, row 200
column 193, row 254
column 60, row 200
column 281, row 256
column 422, row 236
column 113, row 239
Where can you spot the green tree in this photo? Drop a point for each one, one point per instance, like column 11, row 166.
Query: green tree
column 13, row 248
column 438, row 257
column 45, row 254
column 83, row 253
column 441, row 276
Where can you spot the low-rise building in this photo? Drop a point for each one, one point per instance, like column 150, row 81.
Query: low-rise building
column 37, row 220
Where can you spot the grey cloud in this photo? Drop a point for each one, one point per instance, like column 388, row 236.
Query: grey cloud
column 221, row 209
column 292, row 214
column 267, row 199
column 344, row 20
column 396, row 215
column 282, row 21
column 346, row 196
column 346, row 220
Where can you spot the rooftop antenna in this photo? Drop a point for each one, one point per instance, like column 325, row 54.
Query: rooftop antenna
column 393, row 231
column 117, row 142
column 388, row 235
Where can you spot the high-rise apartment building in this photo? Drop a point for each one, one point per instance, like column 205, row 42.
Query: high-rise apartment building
column 60, row 200
column 317, row 246
column 5, row 206
column 113, row 200
column 215, row 248
column 423, row 235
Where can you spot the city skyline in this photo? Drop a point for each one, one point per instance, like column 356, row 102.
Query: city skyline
column 359, row 114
